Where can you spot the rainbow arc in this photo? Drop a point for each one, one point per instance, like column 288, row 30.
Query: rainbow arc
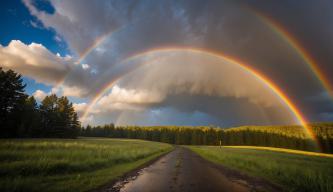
column 262, row 78
column 297, row 47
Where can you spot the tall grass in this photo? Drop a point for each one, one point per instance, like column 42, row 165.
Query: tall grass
column 66, row 165
column 295, row 172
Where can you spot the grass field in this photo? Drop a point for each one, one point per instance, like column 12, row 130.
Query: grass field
column 70, row 165
column 291, row 169
column 309, row 153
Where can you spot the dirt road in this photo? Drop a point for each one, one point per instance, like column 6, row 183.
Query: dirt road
column 183, row 170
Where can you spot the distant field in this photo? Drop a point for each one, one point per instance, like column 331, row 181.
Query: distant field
column 70, row 165
column 293, row 170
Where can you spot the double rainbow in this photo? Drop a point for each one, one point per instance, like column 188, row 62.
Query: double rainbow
column 266, row 81
column 274, row 26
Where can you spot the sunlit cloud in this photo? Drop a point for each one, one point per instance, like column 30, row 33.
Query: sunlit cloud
column 182, row 73
column 34, row 61
column 85, row 66
column 39, row 95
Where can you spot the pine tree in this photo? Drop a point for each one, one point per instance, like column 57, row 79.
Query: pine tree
column 31, row 120
column 12, row 100
column 48, row 111
column 59, row 118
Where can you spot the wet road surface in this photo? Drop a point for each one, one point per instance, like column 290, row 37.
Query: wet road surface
column 183, row 170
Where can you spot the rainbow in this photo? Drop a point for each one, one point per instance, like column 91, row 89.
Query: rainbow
column 105, row 88
column 99, row 40
column 296, row 46
column 93, row 46
column 267, row 82
column 84, row 54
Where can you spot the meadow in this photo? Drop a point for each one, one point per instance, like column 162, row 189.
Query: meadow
column 70, row 164
column 292, row 169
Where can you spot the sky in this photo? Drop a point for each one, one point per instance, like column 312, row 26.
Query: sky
column 176, row 62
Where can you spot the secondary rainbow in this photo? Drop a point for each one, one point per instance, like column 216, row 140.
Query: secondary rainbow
column 293, row 43
column 97, row 42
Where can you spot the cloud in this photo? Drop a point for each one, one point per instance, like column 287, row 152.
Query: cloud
column 39, row 95
column 73, row 91
column 196, row 73
column 85, row 66
column 183, row 75
column 66, row 91
column 79, row 107
column 37, row 62
column 131, row 96
column 34, row 61
column 103, row 34
column 126, row 99
column 72, row 17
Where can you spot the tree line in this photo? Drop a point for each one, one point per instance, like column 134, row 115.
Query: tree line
column 292, row 137
column 22, row 116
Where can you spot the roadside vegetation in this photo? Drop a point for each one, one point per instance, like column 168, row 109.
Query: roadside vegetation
column 70, row 164
column 293, row 170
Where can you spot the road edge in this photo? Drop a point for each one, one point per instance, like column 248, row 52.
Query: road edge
column 110, row 186
column 256, row 183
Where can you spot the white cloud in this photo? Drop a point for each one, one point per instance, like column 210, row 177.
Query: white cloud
column 73, row 91
column 37, row 62
column 34, row 61
column 79, row 107
column 123, row 95
column 126, row 99
column 65, row 90
column 39, row 95
column 85, row 66
column 79, row 24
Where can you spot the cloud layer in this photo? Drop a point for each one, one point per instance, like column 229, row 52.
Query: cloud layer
column 101, row 35
column 186, row 74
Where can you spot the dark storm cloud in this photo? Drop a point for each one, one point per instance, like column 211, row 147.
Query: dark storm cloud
column 227, row 110
column 229, row 27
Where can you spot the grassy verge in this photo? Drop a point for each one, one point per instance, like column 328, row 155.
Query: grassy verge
column 70, row 165
column 294, row 171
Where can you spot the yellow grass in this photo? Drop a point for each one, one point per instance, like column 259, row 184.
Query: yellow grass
column 284, row 150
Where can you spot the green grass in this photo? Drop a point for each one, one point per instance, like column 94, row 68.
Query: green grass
column 295, row 172
column 70, row 164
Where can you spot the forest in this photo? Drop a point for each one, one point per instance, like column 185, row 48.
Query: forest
column 291, row 136
column 21, row 116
